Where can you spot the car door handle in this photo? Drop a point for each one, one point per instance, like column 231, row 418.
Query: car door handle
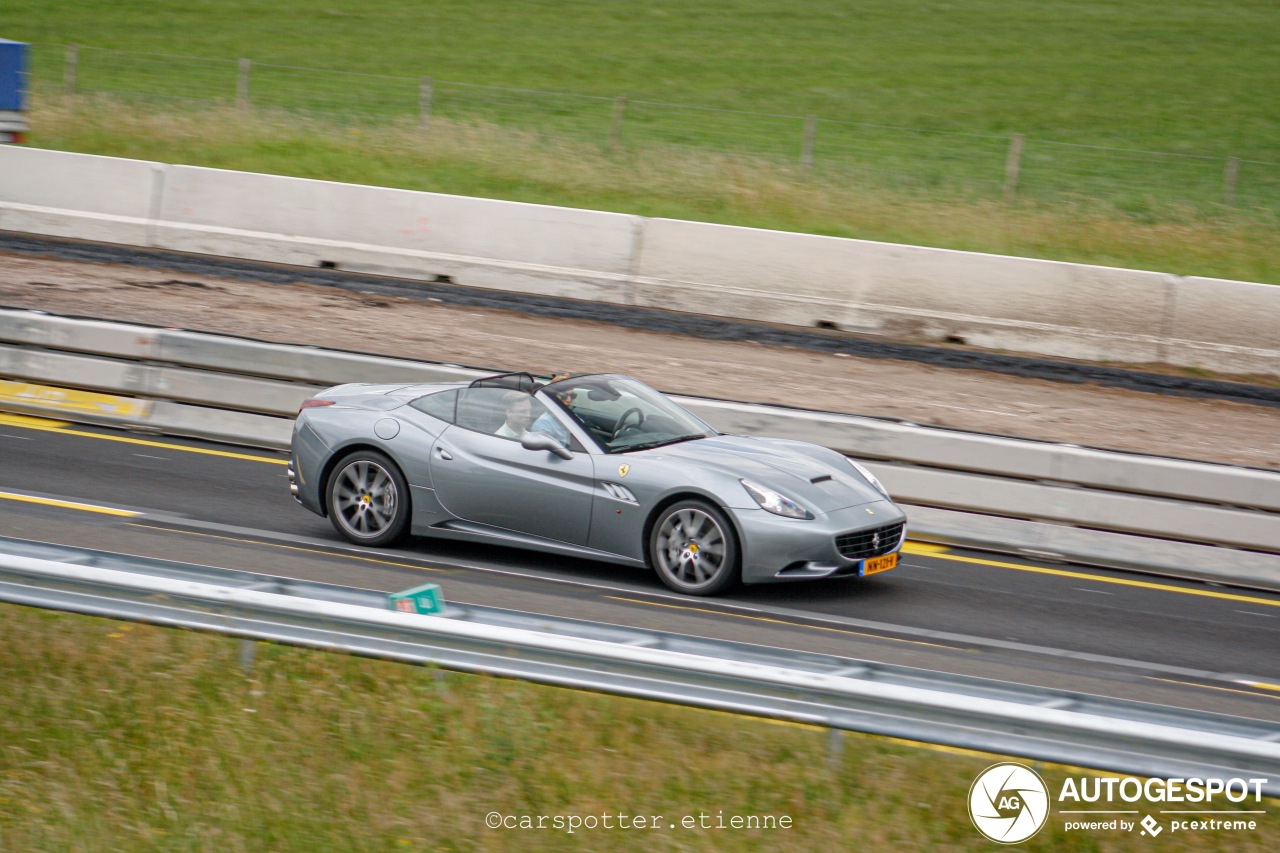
column 444, row 454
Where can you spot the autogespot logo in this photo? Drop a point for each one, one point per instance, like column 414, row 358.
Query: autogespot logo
column 1008, row 803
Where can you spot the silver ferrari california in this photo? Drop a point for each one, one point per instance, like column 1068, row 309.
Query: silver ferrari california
column 599, row 466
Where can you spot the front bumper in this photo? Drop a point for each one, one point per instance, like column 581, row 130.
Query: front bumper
column 782, row 549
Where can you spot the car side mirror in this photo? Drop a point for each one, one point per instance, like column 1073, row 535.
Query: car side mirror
column 542, row 441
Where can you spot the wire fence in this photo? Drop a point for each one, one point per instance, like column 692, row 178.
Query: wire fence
column 850, row 153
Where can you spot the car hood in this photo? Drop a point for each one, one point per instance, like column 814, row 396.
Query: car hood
column 781, row 465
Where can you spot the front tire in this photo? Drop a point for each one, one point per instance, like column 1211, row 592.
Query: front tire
column 694, row 549
column 368, row 499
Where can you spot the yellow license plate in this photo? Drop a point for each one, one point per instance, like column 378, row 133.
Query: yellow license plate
column 880, row 564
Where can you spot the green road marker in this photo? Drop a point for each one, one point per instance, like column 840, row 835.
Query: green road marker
column 420, row 599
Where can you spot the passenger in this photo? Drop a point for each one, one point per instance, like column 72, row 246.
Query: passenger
column 519, row 412
column 546, row 422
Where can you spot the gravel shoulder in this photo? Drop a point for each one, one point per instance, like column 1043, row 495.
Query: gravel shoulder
column 298, row 312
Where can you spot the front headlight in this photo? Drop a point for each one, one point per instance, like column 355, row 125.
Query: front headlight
column 775, row 503
column 871, row 478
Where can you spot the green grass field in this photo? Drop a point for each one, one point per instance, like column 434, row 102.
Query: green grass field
column 116, row 736
column 1189, row 76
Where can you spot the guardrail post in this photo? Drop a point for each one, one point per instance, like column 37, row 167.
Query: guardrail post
column 248, row 649
column 810, row 138
column 426, row 93
column 835, row 748
column 242, row 85
column 1012, row 166
column 73, row 65
column 615, row 129
column 1229, row 178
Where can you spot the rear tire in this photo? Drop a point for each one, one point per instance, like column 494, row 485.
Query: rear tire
column 368, row 499
column 694, row 549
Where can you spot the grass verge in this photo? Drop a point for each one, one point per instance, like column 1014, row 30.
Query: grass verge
column 132, row 737
column 494, row 162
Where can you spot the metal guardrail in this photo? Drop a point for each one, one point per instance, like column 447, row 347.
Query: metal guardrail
column 1149, row 513
column 822, row 690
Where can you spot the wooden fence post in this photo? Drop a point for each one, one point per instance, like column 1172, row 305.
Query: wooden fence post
column 1012, row 166
column 242, row 85
column 615, row 128
column 73, row 65
column 1229, row 178
column 810, row 139
column 426, row 94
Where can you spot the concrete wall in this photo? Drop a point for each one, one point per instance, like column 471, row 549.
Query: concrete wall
column 503, row 245
column 105, row 199
column 906, row 292
column 895, row 291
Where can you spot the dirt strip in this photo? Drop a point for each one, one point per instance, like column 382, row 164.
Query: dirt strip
column 1214, row 430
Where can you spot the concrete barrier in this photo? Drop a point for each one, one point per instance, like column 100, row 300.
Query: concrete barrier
column 1184, row 521
column 485, row 243
column 1232, row 324
column 1094, row 547
column 214, row 352
column 219, row 390
column 873, row 439
column 47, row 331
column 297, row 363
column 106, row 199
column 904, row 292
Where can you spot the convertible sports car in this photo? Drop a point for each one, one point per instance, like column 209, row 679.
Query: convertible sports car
column 599, row 466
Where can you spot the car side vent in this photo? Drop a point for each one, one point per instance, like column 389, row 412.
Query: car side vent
column 821, row 479
column 618, row 493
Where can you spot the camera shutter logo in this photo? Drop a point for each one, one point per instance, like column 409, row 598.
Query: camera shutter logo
column 1008, row 803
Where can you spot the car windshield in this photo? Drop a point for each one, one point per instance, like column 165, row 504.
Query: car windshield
column 622, row 414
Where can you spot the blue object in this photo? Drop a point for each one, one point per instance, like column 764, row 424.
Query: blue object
column 13, row 75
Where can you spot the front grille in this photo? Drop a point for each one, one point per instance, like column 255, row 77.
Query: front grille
column 869, row 543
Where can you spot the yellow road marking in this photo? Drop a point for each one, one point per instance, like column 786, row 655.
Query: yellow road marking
column 1213, row 687
column 30, row 421
column 911, row 547
column 1262, row 685
column 57, row 399
column 46, row 425
column 299, row 548
column 1062, row 573
column 104, row 510
column 776, row 621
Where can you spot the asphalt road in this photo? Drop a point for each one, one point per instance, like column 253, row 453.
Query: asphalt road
column 1093, row 631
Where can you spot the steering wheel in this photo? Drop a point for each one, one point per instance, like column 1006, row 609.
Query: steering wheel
column 622, row 422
